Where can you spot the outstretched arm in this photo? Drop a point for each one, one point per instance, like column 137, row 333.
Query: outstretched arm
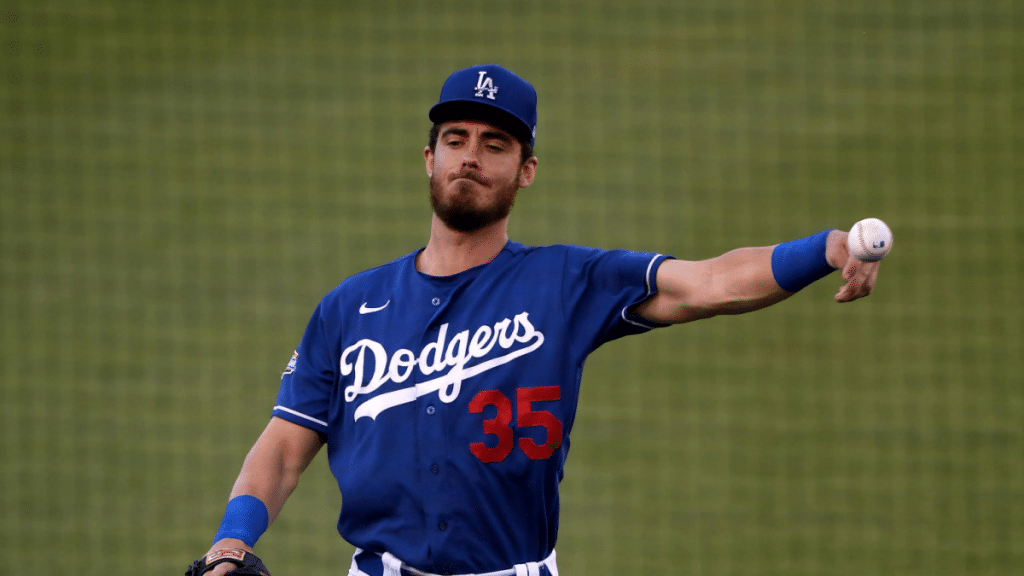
column 271, row 472
column 743, row 280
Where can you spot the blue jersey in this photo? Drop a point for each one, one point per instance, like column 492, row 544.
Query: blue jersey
column 447, row 402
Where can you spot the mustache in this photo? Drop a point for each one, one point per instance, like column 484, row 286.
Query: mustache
column 471, row 175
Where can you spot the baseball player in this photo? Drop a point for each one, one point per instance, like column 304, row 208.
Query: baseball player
column 445, row 383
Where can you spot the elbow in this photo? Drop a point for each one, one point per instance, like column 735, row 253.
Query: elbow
column 290, row 474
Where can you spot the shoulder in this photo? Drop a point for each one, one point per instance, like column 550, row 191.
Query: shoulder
column 371, row 279
column 550, row 251
column 546, row 260
column 575, row 251
column 574, row 254
column 574, row 258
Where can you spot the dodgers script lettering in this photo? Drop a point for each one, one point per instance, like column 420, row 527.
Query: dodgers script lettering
column 516, row 335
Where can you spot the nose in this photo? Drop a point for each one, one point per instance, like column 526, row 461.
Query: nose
column 471, row 154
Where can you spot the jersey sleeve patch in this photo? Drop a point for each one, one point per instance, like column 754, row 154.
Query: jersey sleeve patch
column 291, row 364
column 308, row 379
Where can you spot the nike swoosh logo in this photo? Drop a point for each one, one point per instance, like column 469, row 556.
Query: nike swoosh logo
column 364, row 309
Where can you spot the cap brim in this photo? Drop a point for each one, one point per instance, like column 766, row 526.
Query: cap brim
column 454, row 110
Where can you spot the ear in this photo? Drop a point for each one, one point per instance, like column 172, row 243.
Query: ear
column 527, row 172
column 428, row 159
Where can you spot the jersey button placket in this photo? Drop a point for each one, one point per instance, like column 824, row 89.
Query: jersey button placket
column 433, row 438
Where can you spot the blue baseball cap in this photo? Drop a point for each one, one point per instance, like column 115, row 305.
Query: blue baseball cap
column 489, row 93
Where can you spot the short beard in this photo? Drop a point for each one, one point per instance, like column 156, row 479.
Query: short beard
column 460, row 213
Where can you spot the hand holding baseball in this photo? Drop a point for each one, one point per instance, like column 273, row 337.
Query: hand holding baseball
column 857, row 253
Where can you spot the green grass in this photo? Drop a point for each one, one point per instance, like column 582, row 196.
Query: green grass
column 181, row 182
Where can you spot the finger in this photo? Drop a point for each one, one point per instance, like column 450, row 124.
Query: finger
column 848, row 292
column 872, row 277
column 851, row 268
column 860, row 280
column 849, row 274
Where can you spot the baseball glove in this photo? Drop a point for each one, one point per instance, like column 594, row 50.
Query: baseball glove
column 247, row 562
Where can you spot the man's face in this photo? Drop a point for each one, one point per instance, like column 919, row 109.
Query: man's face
column 475, row 171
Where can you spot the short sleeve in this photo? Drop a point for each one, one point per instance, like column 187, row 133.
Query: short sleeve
column 601, row 287
column 308, row 380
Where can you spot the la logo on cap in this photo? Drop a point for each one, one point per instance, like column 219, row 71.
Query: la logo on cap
column 472, row 94
column 485, row 83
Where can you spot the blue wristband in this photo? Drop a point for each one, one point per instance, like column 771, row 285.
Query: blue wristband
column 246, row 519
column 799, row 263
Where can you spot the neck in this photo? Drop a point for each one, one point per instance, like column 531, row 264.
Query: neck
column 449, row 251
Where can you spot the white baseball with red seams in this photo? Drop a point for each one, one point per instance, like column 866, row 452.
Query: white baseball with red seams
column 870, row 240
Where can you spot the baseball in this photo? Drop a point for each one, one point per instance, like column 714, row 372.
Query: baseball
column 869, row 240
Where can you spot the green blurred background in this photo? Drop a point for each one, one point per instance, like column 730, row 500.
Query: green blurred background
column 180, row 182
